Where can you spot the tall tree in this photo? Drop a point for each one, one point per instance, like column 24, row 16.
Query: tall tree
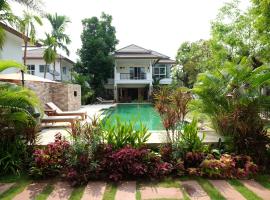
column 49, row 55
column 98, row 44
column 59, row 23
column 27, row 26
column 7, row 15
column 194, row 59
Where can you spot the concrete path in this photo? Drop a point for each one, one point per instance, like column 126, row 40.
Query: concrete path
column 148, row 193
column 227, row 190
column 62, row 191
column 257, row 189
column 94, row 191
column 31, row 191
column 5, row 186
column 126, row 191
column 194, row 190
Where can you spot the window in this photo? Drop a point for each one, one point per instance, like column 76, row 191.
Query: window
column 64, row 70
column 42, row 68
column 160, row 71
column 31, row 69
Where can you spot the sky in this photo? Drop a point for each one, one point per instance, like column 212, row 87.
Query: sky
column 160, row 25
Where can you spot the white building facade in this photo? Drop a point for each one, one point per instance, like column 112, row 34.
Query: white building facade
column 36, row 65
column 12, row 48
column 135, row 70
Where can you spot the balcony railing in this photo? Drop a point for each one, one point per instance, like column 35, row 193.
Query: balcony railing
column 132, row 76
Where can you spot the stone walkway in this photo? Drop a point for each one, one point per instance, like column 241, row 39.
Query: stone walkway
column 194, row 190
column 127, row 190
column 148, row 193
column 257, row 189
column 5, row 186
column 227, row 190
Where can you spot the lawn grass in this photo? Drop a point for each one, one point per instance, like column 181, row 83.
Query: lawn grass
column 249, row 195
column 110, row 191
column 264, row 180
column 21, row 183
column 212, row 192
column 77, row 193
column 45, row 192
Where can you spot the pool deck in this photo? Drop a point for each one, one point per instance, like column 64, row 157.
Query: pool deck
column 46, row 136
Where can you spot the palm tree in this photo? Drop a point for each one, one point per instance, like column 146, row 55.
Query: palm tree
column 49, row 55
column 232, row 99
column 27, row 28
column 15, row 101
column 59, row 23
column 7, row 15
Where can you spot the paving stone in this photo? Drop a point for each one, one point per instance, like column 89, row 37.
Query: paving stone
column 94, row 191
column 227, row 190
column 31, row 191
column 126, row 190
column 160, row 192
column 257, row 189
column 5, row 186
column 62, row 191
column 194, row 190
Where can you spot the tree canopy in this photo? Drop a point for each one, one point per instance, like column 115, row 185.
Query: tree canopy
column 98, row 44
column 235, row 35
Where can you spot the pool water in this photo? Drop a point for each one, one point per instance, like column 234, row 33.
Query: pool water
column 144, row 113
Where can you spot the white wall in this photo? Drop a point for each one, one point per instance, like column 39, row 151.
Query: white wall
column 12, row 50
column 123, row 65
column 64, row 63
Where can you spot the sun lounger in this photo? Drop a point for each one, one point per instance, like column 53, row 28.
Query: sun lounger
column 101, row 100
column 53, row 119
column 59, row 112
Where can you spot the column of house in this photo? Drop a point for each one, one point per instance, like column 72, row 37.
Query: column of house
column 151, row 83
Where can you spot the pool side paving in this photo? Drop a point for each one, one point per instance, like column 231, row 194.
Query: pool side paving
column 157, row 136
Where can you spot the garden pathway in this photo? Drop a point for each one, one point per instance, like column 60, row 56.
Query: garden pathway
column 62, row 191
column 126, row 190
column 153, row 192
column 5, row 186
column 94, row 191
column 194, row 190
column 227, row 190
column 31, row 191
column 257, row 189
column 129, row 190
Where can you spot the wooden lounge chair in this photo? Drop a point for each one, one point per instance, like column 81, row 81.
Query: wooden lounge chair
column 59, row 112
column 101, row 100
column 53, row 119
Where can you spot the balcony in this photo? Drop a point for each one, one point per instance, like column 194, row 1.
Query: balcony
column 132, row 76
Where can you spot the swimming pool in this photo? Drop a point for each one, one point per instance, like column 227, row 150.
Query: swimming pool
column 144, row 113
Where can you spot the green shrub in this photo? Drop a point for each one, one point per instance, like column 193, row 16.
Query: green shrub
column 189, row 141
column 120, row 134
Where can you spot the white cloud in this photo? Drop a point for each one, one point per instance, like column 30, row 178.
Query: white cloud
column 155, row 24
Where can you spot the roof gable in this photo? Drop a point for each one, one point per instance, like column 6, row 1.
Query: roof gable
column 133, row 49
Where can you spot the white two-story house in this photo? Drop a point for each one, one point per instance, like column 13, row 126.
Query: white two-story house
column 135, row 70
column 36, row 65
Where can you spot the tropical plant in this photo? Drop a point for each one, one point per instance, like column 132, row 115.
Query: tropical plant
column 17, row 122
column 86, row 90
column 58, row 24
column 189, row 141
column 119, row 134
column 232, row 99
column 27, row 26
column 49, row 55
column 172, row 105
column 50, row 161
column 8, row 16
